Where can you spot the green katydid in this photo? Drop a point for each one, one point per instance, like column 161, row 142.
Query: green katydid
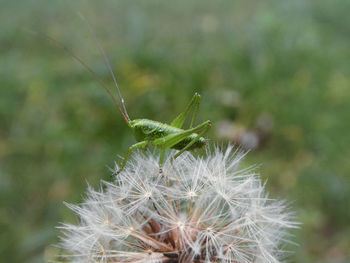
column 161, row 135
column 165, row 136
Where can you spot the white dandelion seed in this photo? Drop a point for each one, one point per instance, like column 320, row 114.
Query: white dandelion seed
column 199, row 210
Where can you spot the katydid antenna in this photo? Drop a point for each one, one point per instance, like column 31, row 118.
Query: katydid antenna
column 92, row 32
column 97, row 78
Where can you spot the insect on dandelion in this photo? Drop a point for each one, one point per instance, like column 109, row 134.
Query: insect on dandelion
column 181, row 209
column 200, row 209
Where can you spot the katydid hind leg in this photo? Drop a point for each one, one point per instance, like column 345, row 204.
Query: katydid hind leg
column 205, row 129
column 135, row 146
column 180, row 119
column 161, row 160
column 172, row 139
column 195, row 109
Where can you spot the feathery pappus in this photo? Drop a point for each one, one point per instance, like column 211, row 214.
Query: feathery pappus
column 198, row 210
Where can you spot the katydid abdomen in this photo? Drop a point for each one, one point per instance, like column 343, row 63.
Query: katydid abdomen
column 149, row 130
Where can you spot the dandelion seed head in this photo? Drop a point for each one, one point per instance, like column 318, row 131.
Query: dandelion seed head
column 200, row 209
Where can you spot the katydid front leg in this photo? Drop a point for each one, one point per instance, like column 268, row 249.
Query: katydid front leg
column 138, row 145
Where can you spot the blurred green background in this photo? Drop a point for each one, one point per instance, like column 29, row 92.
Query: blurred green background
column 273, row 75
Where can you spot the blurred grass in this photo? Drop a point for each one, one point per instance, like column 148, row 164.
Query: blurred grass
column 288, row 60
